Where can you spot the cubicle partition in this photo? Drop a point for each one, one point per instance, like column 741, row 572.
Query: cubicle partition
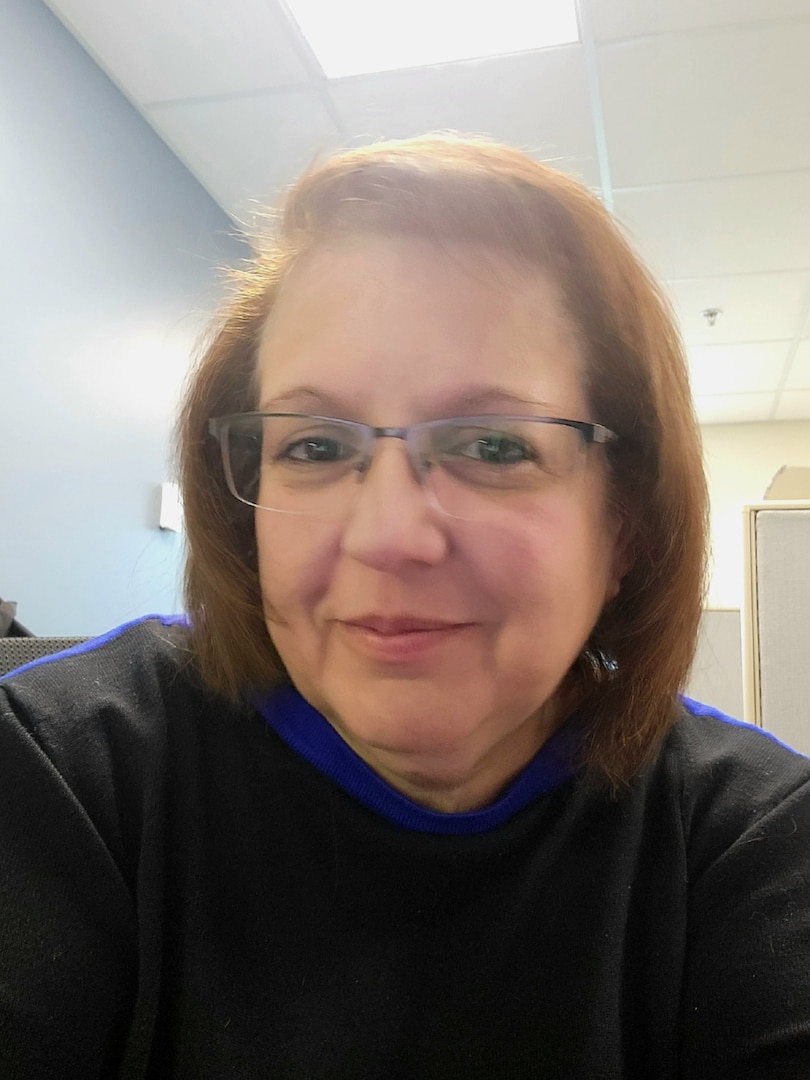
column 776, row 620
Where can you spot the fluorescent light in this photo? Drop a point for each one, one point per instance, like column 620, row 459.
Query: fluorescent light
column 354, row 37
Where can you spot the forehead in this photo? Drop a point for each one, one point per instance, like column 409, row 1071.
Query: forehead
column 418, row 323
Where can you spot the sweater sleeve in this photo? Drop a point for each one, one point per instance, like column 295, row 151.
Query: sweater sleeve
column 746, row 1007
column 68, row 950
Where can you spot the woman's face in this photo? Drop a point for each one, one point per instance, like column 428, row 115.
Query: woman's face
column 434, row 645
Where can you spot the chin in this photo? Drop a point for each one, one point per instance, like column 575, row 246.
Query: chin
column 402, row 734
column 399, row 722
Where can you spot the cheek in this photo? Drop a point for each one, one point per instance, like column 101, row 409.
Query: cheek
column 558, row 562
column 514, row 564
column 294, row 564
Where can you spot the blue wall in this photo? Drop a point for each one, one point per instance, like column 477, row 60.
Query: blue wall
column 109, row 266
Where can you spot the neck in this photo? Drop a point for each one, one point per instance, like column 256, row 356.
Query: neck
column 446, row 797
column 458, row 786
column 416, row 795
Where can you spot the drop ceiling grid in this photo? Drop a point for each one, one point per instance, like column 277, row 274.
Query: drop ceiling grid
column 712, row 97
column 724, row 216
column 536, row 100
column 751, row 344
column 753, row 367
column 618, row 19
column 160, row 51
column 792, row 405
column 799, row 375
column 720, row 227
column 245, row 150
column 752, row 307
column 697, row 105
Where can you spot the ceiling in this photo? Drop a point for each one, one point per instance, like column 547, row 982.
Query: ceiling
column 691, row 118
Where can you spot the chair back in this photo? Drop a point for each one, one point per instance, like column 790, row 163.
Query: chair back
column 16, row 651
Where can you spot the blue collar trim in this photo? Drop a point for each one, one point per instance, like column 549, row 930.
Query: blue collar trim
column 307, row 732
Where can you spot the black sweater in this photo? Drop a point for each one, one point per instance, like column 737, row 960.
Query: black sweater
column 184, row 894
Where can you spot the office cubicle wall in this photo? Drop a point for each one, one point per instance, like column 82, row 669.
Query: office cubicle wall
column 776, row 620
column 717, row 674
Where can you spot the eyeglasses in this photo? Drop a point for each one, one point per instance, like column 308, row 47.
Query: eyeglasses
column 467, row 465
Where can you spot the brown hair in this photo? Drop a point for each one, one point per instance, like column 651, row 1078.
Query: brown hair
column 445, row 188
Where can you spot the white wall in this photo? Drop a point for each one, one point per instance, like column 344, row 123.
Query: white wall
column 110, row 260
column 741, row 460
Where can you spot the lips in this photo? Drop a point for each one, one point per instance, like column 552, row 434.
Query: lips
column 389, row 626
column 403, row 639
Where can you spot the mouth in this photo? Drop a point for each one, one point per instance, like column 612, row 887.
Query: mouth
column 398, row 640
column 393, row 627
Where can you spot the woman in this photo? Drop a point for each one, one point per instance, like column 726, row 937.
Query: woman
column 413, row 794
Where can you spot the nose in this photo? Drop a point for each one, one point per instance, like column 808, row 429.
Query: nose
column 392, row 521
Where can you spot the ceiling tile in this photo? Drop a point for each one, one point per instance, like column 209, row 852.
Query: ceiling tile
column 737, row 369
column 688, row 100
column 159, row 51
column 733, row 408
column 799, row 374
column 537, row 100
column 707, row 99
column 245, row 150
column 753, row 307
column 630, row 18
column 711, row 228
column 794, row 405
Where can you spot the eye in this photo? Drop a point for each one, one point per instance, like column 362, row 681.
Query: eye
column 317, row 449
column 496, row 448
column 291, row 442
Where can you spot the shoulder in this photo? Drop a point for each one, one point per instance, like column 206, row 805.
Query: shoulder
column 100, row 730
column 720, row 754
column 107, row 714
column 735, row 783
column 128, row 672
column 745, row 803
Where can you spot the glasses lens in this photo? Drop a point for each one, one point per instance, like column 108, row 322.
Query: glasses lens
column 470, row 467
column 296, row 464
column 488, row 463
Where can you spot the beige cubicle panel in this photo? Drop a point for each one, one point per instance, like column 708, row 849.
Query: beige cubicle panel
column 776, row 620
column 716, row 675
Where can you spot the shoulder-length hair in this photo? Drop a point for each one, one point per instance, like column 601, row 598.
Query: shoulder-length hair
column 627, row 680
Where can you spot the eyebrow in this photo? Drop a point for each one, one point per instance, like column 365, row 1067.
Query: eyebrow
column 293, row 398
column 468, row 401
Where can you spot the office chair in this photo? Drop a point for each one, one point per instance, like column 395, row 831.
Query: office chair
column 16, row 651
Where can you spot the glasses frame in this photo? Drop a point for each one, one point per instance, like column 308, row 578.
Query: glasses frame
column 218, row 428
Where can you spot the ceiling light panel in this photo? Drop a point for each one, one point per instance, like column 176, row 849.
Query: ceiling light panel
column 360, row 36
